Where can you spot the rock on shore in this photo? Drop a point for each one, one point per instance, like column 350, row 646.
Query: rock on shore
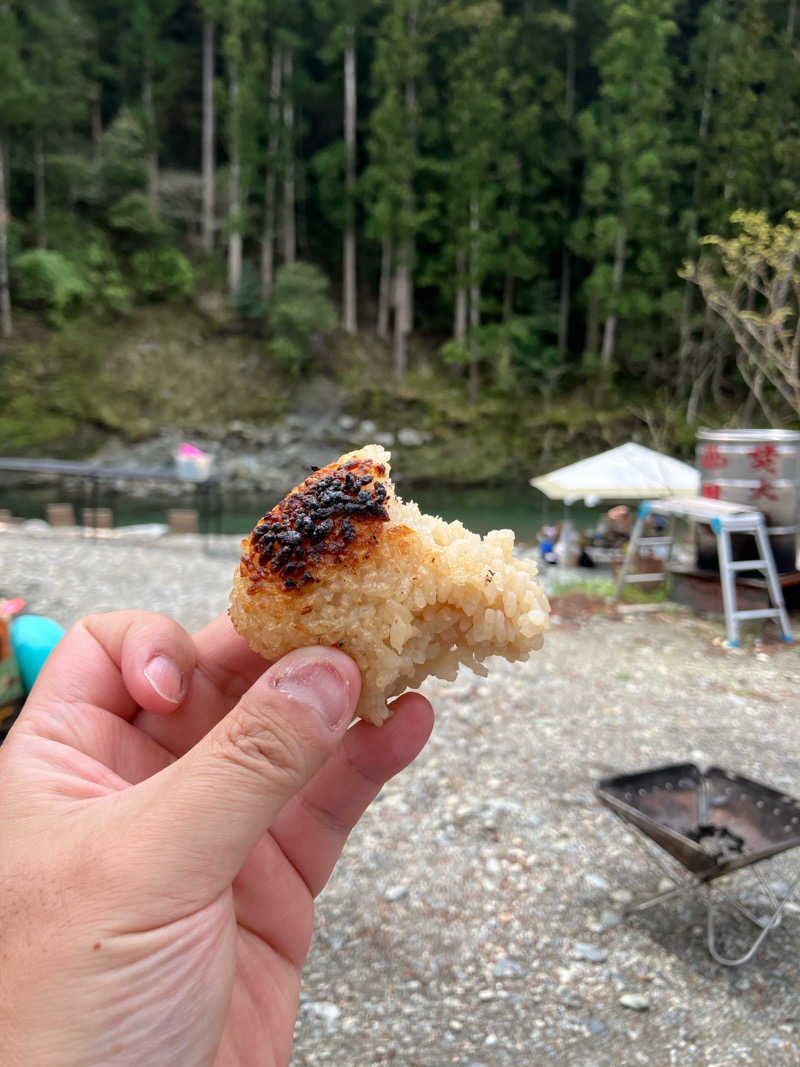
column 267, row 459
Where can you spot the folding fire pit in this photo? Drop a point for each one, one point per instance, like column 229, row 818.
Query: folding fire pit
column 712, row 823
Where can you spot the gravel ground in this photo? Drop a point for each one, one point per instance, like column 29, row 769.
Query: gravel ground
column 476, row 916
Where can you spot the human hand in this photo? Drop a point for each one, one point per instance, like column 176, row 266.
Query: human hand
column 169, row 811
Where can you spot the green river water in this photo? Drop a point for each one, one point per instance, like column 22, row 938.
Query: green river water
column 516, row 507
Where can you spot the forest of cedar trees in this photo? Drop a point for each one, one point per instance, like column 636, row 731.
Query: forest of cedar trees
column 532, row 198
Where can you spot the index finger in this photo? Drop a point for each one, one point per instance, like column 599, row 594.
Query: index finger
column 225, row 669
column 104, row 660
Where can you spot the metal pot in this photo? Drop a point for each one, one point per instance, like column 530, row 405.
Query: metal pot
column 760, row 468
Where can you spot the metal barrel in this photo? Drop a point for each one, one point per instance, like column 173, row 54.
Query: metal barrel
column 759, row 468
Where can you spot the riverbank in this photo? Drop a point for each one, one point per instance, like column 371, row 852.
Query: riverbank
column 130, row 392
column 475, row 918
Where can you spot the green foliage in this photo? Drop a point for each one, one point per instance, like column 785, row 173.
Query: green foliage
column 121, row 169
column 54, row 42
column 64, row 394
column 590, row 586
column 532, row 357
column 49, row 391
column 518, row 353
column 16, row 91
column 605, row 588
column 63, row 285
column 329, row 168
column 109, row 291
column 299, row 310
column 454, row 353
column 163, row 274
column 50, row 281
column 132, row 216
column 530, row 158
column 249, row 298
column 401, row 58
column 752, row 281
column 629, row 157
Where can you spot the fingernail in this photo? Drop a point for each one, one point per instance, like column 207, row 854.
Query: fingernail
column 321, row 687
column 166, row 678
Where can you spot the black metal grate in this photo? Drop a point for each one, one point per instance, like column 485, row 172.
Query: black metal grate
column 712, row 821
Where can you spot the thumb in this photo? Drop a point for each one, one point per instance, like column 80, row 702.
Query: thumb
column 214, row 803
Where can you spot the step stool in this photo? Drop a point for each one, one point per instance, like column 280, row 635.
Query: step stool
column 724, row 520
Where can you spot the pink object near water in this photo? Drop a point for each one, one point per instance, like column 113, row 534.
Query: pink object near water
column 192, row 463
column 190, row 451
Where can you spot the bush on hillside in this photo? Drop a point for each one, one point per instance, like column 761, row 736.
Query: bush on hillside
column 49, row 281
column 132, row 218
column 121, row 168
column 110, row 294
column 163, row 274
column 300, row 310
column 248, row 299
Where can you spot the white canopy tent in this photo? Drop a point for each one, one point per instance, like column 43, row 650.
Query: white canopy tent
column 628, row 472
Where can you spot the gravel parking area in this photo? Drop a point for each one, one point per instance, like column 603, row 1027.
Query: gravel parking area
column 476, row 917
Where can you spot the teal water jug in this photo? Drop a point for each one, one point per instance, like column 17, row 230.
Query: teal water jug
column 33, row 638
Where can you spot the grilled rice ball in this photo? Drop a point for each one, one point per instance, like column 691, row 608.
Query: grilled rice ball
column 343, row 561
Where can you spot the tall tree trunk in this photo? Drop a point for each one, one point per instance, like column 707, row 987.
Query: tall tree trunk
column 698, row 385
column 756, row 395
column 592, row 326
column 289, row 224
column 301, row 202
column 706, row 370
column 6, row 322
column 474, row 300
column 564, row 300
column 411, row 119
column 234, row 190
column 150, row 134
column 569, row 74
column 790, row 20
column 402, row 322
column 409, row 246
column 508, row 296
column 749, row 409
column 609, row 333
column 208, row 134
column 460, row 310
column 718, row 378
column 349, row 286
column 39, row 191
column 384, row 290
column 271, row 180
column 685, row 337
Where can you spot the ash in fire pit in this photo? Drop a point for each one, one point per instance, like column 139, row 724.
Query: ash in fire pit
column 690, row 813
column 718, row 842
column 712, row 821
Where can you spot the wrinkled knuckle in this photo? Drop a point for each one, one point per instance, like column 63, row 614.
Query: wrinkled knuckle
column 259, row 744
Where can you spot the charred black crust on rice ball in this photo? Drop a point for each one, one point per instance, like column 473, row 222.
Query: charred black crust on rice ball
column 318, row 522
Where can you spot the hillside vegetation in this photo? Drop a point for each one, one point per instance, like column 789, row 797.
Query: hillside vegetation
column 73, row 389
column 532, row 228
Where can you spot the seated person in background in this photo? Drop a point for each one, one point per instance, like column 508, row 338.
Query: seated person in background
column 547, row 538
column 618, row 524
column 585, row 543
column 567, row 547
